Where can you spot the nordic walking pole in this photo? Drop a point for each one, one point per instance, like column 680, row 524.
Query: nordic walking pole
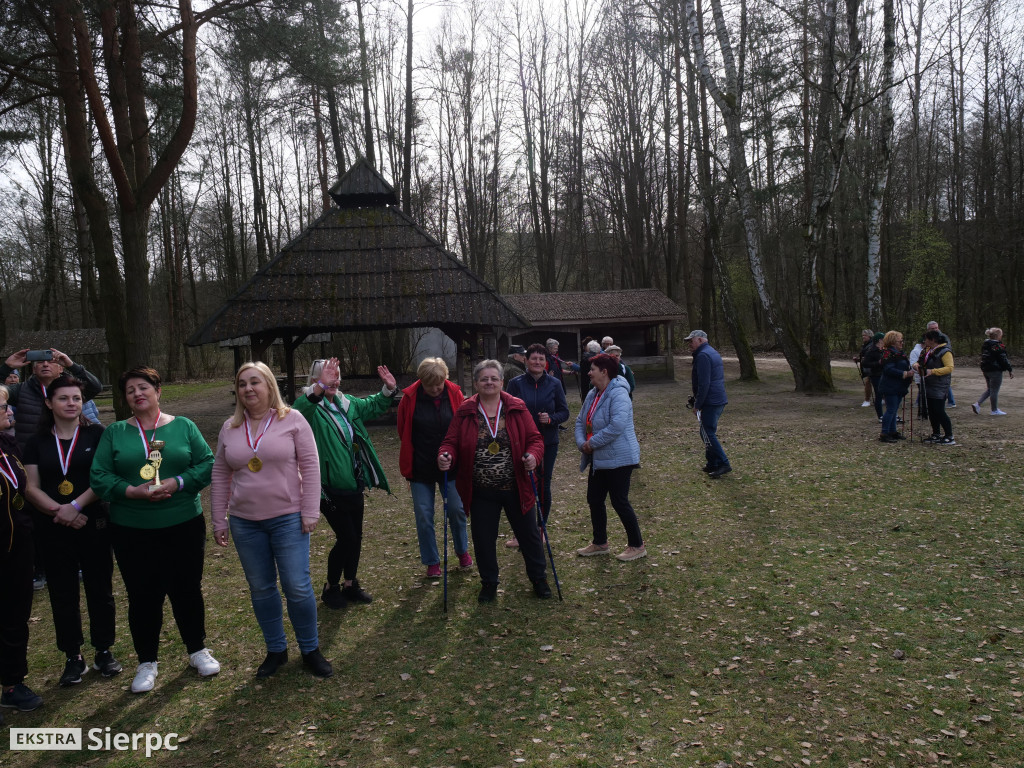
column 544, row 532
column 444, row 524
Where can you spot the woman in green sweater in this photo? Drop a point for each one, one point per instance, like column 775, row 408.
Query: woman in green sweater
column 151, row 469
column 348, row 466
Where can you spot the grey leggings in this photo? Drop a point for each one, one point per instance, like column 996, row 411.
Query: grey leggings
column 994, row 379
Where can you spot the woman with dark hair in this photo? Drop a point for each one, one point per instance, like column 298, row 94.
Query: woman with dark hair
column 545, row 400
column 72, row 528
column 266, row 489
column 151, row 469
column 936, row 375
column 348, row 466
column 994, row 362
column 607, row 440
column 871, row 365
column 424, row 415
column 493, row 445
column 894, row 383
column 15, row 576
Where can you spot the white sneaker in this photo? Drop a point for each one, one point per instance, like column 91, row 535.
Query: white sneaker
column 866, row 404
column 975, row 407
column 997, row 412
column 145, row 677
column 204, row 663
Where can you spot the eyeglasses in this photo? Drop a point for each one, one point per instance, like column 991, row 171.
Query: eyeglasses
column 4, row 407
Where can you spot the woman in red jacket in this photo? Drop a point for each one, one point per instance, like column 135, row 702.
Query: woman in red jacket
column 424, row 414
column 493, row 444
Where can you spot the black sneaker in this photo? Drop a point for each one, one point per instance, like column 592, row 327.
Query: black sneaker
column 948, row 440
column 719, row 472
column 707, row 468
column 274, row 661
column 541, row 589
column 73, row 671
column 106, row 664
column 21, row 698
column 333, row 597
column 932, row 439
column 885, row 437
column 315, row 662
column 355, row 594
column 488, row 592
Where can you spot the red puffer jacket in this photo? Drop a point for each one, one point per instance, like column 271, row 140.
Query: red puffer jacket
column 406, row 407
column 460, row 444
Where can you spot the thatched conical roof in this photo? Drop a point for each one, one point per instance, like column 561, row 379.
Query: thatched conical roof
column 362, row 265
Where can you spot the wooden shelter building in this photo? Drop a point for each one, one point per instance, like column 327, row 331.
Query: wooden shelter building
column 363, row 265
column 640, row 321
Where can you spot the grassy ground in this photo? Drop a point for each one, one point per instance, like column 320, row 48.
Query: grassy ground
column 834, row 601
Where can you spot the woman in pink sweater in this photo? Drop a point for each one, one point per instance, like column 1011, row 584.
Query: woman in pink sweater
column 266, row 489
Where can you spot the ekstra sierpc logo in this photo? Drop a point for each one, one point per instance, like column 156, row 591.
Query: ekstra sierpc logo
column 96, row 739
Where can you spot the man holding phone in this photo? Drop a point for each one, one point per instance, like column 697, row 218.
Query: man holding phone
column 28, row 397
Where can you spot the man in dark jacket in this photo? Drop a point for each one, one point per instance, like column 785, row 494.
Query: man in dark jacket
column 28, row 397
column 515, row 364
column 709, row 400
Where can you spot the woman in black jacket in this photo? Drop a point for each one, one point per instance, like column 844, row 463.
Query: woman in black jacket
column 871, row 366
column 993, row 362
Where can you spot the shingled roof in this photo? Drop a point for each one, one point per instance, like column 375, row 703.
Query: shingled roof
column 72, row 342
column 643, row 305
column 362, row 265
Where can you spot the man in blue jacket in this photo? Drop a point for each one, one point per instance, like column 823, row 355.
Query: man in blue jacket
column 709, row 400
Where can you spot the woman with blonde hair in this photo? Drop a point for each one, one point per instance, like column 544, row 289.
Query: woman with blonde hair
column 266, row 491
column 424, row 413
column 894, row 383
column 994, row 362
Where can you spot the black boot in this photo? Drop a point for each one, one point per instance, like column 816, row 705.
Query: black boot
column 274, row 661
column 333, row 597
column 315, row 662
column 355, row 594
column 488, row 592
column 541, row 589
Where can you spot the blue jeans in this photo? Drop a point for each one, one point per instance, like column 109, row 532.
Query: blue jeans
column 713, row 451
column 423, row 508
column 892, row 404
column 269, row 547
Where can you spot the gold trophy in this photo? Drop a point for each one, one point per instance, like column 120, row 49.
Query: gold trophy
column 155, row 460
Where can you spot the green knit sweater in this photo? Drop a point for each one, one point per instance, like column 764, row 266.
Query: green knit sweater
column 121, row 454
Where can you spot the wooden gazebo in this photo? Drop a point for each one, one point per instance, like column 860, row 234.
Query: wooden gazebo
column 363, row 265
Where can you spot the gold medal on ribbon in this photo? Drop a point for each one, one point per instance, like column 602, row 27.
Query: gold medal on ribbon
column 493, row 448
column 65, row 488
column 148, row 472
column 18, row 501
column 255, row 464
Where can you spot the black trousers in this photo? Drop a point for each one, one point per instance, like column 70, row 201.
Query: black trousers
column 66, row 551
column 938, row 417
column 163, row 562
column 601, row 484
column 16, row 570
column 344, row 513
column 485, row 513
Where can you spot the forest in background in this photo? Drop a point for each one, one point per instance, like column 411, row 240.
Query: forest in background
column 788, row 173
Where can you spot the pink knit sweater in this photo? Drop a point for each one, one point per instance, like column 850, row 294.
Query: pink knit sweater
column 289, row 480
